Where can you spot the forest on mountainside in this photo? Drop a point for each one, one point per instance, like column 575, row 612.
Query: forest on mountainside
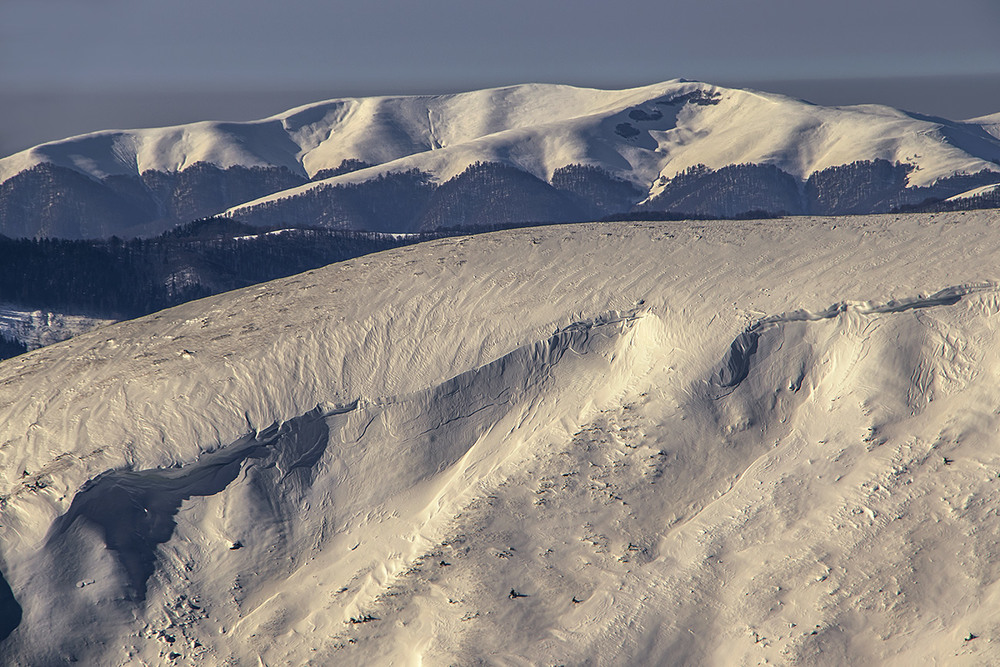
column 121, row 279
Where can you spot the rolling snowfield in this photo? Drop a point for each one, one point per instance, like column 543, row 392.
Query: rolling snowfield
column 611, row 444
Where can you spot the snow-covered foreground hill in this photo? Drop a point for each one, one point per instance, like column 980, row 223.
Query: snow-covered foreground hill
column 659, row 443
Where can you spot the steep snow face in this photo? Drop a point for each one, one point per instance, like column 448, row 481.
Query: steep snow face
column 651, row 442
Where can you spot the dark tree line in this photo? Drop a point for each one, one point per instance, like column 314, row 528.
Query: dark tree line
column 123, row 279
column 11, row 348
column 55, row 201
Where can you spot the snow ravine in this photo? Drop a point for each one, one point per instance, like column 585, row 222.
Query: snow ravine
column 660, row 443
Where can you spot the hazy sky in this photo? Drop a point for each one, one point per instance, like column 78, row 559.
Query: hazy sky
column 60, row 59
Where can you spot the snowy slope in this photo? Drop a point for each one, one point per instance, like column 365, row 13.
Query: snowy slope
column 990, row 123
column 320, row 136
column 36, row 328
column 679, row 442
column 538, row 128
column 976, row 192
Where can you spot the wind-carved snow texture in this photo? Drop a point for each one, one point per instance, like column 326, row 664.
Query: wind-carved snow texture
column 610, row 465
column 498, row 475
column 134, row 512
column 736, row 364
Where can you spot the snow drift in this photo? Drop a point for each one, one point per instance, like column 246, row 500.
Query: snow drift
column 608, row 443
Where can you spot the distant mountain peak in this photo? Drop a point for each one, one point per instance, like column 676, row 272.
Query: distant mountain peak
column 291, row 164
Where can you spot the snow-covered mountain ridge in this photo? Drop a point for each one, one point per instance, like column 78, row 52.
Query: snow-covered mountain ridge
column 315, row 161
column 662, row 442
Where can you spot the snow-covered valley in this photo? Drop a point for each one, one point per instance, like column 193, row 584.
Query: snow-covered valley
column 621, row 443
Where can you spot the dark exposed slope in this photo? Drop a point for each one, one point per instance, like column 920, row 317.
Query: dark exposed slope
column 878, row 186
column 493, row 193
column 485, row 194
column 864, row 187
column 49, row 200
column 596, row 192
column 729, row 191
column 203, row 189
column 389, row 202
column 53, row 201
column 986, row 200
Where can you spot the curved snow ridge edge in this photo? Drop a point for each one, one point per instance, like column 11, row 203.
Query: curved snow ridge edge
column 943, row 297
column 470, row 423
column 736, row 364
column 548, row 350
column 504, row 381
